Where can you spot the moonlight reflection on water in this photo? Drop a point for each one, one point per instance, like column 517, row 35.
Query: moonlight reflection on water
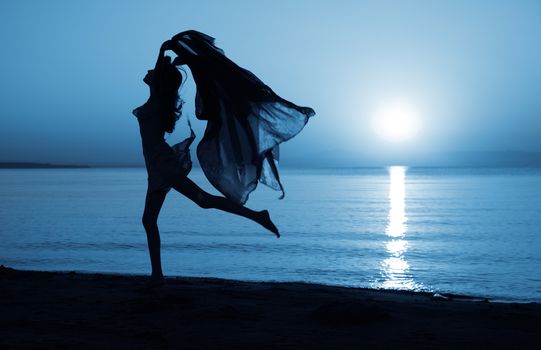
column 395, row 268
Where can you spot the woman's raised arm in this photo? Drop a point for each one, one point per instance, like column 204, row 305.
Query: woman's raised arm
column 165, row 47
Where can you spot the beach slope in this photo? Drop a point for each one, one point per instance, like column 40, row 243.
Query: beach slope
column 48, row 310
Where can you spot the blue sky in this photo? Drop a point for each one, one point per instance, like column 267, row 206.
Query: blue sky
column 72, row 70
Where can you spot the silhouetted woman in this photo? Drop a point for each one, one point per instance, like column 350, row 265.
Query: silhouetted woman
column 168, row 166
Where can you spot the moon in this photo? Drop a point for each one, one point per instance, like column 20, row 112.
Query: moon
column 396, row 122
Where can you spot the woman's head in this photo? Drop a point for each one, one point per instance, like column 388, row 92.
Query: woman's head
column 164, row 81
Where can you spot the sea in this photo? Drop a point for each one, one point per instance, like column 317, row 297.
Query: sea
column 468, row 231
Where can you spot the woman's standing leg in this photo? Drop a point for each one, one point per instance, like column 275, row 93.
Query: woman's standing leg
column 206, row 200
column 153, row 204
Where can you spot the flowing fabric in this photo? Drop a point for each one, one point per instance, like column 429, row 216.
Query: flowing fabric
column 246, row 120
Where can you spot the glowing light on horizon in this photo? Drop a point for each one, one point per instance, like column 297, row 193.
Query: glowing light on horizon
column 396, row 122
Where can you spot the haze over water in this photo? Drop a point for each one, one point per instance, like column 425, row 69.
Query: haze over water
column 470, row 231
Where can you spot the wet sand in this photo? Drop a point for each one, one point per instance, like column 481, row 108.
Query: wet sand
column 47, row 310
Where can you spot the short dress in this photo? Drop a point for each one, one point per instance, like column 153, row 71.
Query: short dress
column 165, row 164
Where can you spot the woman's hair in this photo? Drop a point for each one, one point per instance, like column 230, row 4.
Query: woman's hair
column 167, row 82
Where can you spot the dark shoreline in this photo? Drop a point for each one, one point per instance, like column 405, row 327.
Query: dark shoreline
column 49, row 310
column 30, row 165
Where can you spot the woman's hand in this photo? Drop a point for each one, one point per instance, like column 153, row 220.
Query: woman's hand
column 161, row 55
column 165, row 47
column 173, row 45
column 162, row 58
column 178, row 50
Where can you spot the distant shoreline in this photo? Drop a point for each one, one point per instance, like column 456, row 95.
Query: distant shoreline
column 24, row 165
column 30, row 165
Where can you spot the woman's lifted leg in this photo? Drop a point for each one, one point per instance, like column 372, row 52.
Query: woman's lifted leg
column 206, row 200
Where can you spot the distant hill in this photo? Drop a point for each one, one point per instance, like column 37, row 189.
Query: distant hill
column 29, row 165
column 490, row 159
column 341, row 158
column 348, row 159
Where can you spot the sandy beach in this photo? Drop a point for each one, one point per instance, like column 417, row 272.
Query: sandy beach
column 49, row 310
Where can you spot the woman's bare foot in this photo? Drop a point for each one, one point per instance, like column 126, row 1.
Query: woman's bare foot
column 265, row 221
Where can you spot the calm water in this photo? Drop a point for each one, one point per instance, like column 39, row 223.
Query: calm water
column 469, row 231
